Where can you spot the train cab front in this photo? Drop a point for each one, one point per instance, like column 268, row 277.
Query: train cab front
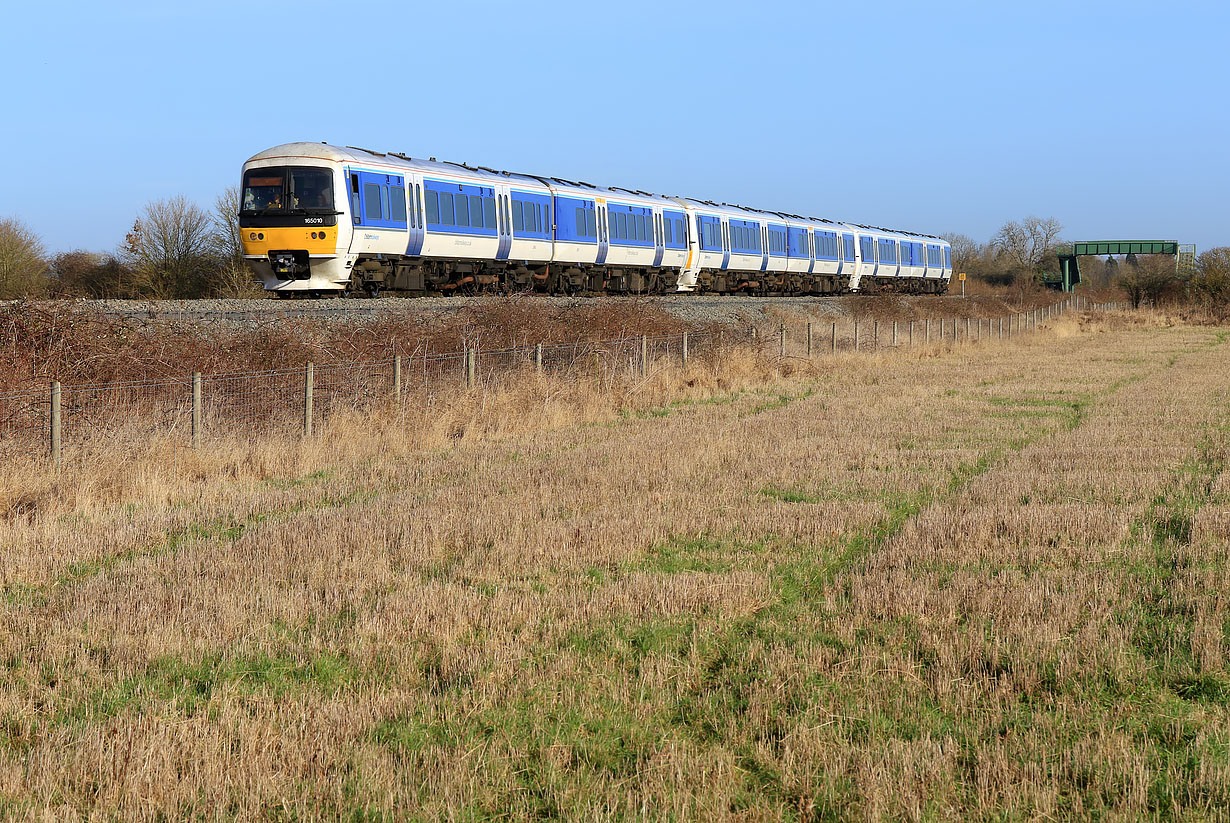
column 288, row 223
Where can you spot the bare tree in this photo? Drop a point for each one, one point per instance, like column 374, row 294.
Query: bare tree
column 1026, row 243
column 23, row 264
column 1043, row 235
column 225, row 218
column 1012, row 242
column 964, row 250
column 171, row 248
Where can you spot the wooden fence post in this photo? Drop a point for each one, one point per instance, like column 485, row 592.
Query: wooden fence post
column 196, row 410
column 927, row 336
column 834, row 338
column 309, row 380
column 684, row 348
column 894, row 334
column 809, row 339
column 54, row 427
column 644, row 355
column 781, row 340
column 397, row 379
column 472, row 368
column 538, row 357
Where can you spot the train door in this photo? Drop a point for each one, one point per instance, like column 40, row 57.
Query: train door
column 725, row 235
column 418, row 226
column 503, row 222
column 603, row 235
column 659, row 239
column 764, row 247
column 691, row 265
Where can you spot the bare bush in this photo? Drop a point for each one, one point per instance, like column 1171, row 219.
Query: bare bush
column 23, row 264
column 90, row 274
column 1150, row 280
column 1211, row 286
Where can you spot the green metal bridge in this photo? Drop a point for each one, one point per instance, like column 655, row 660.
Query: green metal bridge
column 1069, row 269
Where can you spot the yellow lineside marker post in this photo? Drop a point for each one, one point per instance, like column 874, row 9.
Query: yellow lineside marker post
column 961, row 277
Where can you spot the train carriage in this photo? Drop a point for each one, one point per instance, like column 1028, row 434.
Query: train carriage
column 318, row 219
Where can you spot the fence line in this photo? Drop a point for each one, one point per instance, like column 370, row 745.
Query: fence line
column 296, row 398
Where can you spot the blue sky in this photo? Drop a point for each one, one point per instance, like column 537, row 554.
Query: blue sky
column 1112, row 117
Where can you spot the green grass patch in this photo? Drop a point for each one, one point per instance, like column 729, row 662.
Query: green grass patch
column 704, row 553
column 780, row 401
column 184, row 687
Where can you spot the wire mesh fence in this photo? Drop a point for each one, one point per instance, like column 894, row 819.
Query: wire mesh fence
column 187, row 409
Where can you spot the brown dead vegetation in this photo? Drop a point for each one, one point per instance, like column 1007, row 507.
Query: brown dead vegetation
column 977, row 582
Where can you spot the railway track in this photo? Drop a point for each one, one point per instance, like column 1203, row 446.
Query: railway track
column 697, row 309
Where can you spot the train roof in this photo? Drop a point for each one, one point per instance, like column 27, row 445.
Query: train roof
column 575, row 188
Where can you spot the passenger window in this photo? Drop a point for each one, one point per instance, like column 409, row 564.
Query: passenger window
column 476, row 211
column 433, row 207
column 371, row 204
column 397, row 204
column 518, row 222
column 489, row 212
column 446, row 209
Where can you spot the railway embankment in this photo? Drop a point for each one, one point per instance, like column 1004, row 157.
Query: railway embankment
column 96, row 341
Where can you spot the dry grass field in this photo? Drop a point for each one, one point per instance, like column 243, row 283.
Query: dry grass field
column 987, row 582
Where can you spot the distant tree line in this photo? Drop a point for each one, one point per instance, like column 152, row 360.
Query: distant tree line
column 178, row 250
column 1022, row 254
column 175, row 249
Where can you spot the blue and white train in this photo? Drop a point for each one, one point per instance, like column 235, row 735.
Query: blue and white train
column 320, row 220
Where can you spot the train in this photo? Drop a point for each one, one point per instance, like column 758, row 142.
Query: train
column 321, row 220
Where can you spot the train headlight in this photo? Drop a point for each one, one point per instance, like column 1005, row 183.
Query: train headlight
column 251, row 235
column 260, row 236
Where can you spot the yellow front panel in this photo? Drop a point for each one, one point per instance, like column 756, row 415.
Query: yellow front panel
column 262, row 241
